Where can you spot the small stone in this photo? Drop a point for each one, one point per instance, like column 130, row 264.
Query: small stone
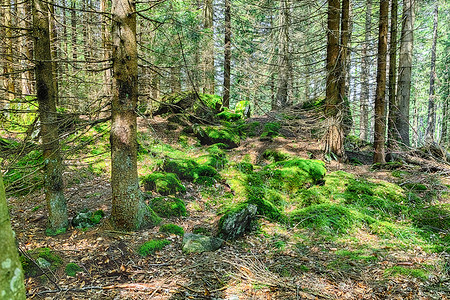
column 235, row 223
column 43, row 263
column 198, row 243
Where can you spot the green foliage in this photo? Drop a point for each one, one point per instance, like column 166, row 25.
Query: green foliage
column 172, row 228
column 72, row 269
column 51, row 232
column 167, row 207
column 163, row 183
column 271, row 130
column 152, row 246
column 243, row 108
column 245, row 167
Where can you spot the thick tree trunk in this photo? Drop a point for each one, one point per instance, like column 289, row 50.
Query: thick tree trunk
column 128, row 210
column 333, row 141
column 380, row 100
column 365, row 82
column 393, row 135
column 46, row 96
column 404, row 71
column 284, row 62
column 431, row 120
column 227, row 56
column 208, row 54
column 11, row 273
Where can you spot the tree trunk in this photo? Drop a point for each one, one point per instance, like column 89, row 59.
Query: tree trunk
column 128, row 210
column 431, row 120
column 227, row 56
column 106, row 48
column 333, row 141
column 11, row 273
column 8, row 59
column 446, row 99
column 53, row 182
column 404, row 71
column 54, row 48
column 284, row 62
column 73, row 23
column 393, row 135
column 208, row 56
column 26, row 53
column 380, row 98
column 365, row 82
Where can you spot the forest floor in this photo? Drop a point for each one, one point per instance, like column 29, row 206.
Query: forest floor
column 273, row 262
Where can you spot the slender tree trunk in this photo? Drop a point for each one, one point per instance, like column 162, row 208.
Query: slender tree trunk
column 11, row 273
column 380, row 100
column 284, row 62
column 404, row 71
column 106, row 47
column 446, row 99
column 54, row 48
column 73, row 23
column 24, row 43
column 431, row 120
column 227, row 56
column 365, row 82
column 334, row 136
column 393, row 135
column 208, row 57
column 128, row 209
column 46, row 96
column 343, row 66
column 8, row 64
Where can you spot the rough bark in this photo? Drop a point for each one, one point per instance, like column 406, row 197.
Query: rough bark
column 73, row 23
column 404, row 71
column 54, row 48
column 11, row 273
column 46, row 96
column 365, row 71
column 333, row 140
column 25, row 49
column 8, row 55
column 393, row 135
column 106, row 48
column 380, row 95
column 227, row 56
column 208, row 54
column 284, row 62
column 431, row 120
column 128, row 210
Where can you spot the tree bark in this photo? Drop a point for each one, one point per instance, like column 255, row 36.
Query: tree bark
column 380, row 100
column 227, row 56
column 46, row 96
column 208, row 54
column 106, row 48
column 431, row 120
column 365, row 71
column 333, row 141
column 128, row 210
column 404, row 71
column 11, row 273
column 393, row 135
column 54, row 48
column 8, row 64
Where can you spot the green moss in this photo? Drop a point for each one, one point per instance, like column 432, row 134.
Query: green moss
column 72, row 269
column 172, row 228
column 25, row 167
column 409, row 272
column 245, row 167
column 434, row 218
column 243, row 108
column 168, row 207
column 209, row 135
column 51, row 232
column 87, row 219
column 183, row 168
column 314, row 103
column 271, row 130
column 229, row 116
column 256, row 196
column 152, row 246
column 217, row 157
column 201, row 230
column 275, row 155
column 163, row 183
column 206, row 174
column 37, row 254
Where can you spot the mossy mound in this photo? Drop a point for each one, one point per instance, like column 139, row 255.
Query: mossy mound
column 217, row 157
column 275, row 155
column 228, row 115
column 434, row 218
column 163, row 183
column 208, row 135
column 72, row 269
column 271, row 130
column 191, row 170
column 257, row 196
column 172, row 228
column 152, row 246
column 167, row 207
column 45, row 258
column 183, row 168
column 86, row 219
column 245, row 167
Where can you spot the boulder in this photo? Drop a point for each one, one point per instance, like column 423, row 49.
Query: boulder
column 237, row 221
column 197, row 243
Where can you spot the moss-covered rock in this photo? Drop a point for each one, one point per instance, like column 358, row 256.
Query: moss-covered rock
column 86, row 218
column 188, row 169
column 172, row 228
column 45, row 258
column 152, row 246
column 167, row 207
column 196, row 243
column 229, row 116
column 245, row 167
column 256, row 195
column 235, row 222
column 72, row 269
column 209, row 135
column 163, row 183
column 275, row 155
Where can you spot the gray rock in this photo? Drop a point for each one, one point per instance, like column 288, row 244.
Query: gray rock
column 43, row 263
column 236, row 222
column 199, row 243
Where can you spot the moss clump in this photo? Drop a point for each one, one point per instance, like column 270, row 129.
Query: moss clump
column 183, row 168
column 256, row 196
column 44, row 257
column 167, row 207
column 217, row 157
column 72, row 269
column 163, row 183
column 191, row 170
column 206, row 174
column 275, row 155
column 434, row 218
column 201, row 230
column 151, row 246
column 245, row 167
column 209, row 135
column 271, row 130
column 87, row 219
column 409, row 272
column 243, row 108
column 172, row 228
column 229, row 116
